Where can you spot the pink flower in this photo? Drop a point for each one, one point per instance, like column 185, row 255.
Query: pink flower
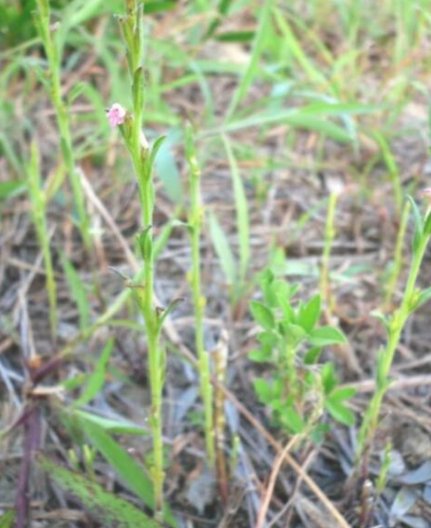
column 116, row 115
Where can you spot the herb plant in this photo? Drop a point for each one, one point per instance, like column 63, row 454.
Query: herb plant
column 195, row 221
column 298, row 390
column 413, row 298
column 143, row 156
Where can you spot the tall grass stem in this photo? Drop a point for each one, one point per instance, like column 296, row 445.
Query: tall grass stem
column 195, row 226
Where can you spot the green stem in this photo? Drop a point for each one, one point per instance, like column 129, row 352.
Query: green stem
column 195, row 222
column 398, row 257
column 38, row 201
column 325, row 289
column 154, row 351
column 386, row 356
column 131, row 26
column 62, row 116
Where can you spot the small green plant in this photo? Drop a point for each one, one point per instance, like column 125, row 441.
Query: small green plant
column 195, row 226
column 143, row 156
column 413, row 298
column 299, row 390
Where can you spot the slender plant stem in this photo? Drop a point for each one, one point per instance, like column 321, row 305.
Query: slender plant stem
column 398, row 257
column 386, row 355
column 62, row 114
column 195, row 224
column 142, row 158
column 325, row 287
column 38, row 201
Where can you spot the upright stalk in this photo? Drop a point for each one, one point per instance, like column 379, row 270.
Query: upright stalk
column 398, row 258
column 143, row 158
column 412, row 299
column 38, row 210
column 325, row 287
column 195, row 226
column 52, row 50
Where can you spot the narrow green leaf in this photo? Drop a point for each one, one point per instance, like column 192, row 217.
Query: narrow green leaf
column 77, row 291
column 166, row 167
column 121, row 427
column 329, row 378
column 290, row 117
column 312, row 355
column 130, row 472
column 294, row 48
column 171, row 306
column 97, row 379
column 145, row 243
column 427, row 225
column 158, row 6
column 424, row 297
column 11, row 188
column 246, row 80
column 101, row 503
column 235, row 36
column 223, row 250
column 222, row 11
column 417, row 222
column 242, row 214
column 381, row 317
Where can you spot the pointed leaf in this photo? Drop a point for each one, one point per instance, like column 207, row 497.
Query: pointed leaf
column 97, row 379
column 109, row 425
column 309, row 314
column 262, row 315
column 223, row 250
column 115, row 511
column 418, row 223
column 327, row 335
column 340, row 412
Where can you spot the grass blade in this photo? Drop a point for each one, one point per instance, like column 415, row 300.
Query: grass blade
column 102, row 504
column 241, row 207
column 247, row 79
column 223, row 250
column 97, row 379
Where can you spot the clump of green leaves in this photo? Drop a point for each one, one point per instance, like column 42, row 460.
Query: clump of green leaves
column 299, row 389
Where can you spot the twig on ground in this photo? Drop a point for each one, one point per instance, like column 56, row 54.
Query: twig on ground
column 272, row 480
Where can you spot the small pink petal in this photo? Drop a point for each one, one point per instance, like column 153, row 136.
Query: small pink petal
column 116, row 115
